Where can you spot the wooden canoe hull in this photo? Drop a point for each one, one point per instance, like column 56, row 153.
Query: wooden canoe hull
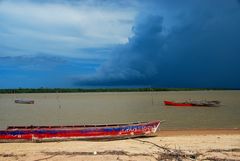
column 82, row 133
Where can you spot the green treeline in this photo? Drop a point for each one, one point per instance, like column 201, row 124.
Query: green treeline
column 75, row 90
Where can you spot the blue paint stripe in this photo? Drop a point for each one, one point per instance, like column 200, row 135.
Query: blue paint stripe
column 107, row 129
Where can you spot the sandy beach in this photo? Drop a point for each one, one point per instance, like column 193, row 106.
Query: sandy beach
column 221, row 144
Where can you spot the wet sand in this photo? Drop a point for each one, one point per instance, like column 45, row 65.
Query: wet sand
column 168, row 145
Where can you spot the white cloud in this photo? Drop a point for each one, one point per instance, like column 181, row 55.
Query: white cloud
column 62, row 28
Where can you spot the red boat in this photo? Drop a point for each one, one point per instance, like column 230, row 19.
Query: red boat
column 79, row 132
column 193, row 103
column 170, row 103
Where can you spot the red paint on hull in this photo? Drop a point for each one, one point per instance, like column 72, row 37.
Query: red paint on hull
column 170, row 103
column 34, row 133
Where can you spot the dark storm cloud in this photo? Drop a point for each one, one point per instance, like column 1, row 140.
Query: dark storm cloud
column 201, row 49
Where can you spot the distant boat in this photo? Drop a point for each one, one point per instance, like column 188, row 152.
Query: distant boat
column 193, row 103
column 78, row 132
column 171, row 103
column 24, row 101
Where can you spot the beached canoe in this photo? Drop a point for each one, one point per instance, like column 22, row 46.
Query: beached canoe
column 193, row 103
column 24, row 101
column 79, row 132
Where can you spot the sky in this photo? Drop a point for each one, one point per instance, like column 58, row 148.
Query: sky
column 125, row 43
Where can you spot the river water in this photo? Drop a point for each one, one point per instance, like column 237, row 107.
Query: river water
column 121, row 107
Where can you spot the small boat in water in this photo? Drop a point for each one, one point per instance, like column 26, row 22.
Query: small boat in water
column 193, row 103
column 171, row 103
column 78, row 132
column 24, row 101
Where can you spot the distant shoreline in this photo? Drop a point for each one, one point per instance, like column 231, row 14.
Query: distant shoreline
column 82, row 90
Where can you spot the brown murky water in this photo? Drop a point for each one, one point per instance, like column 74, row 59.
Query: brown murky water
column 97, row 108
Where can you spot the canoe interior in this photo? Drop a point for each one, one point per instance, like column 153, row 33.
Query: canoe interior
column 76, row 126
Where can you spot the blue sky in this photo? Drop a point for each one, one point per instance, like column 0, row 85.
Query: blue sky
column 128, row 43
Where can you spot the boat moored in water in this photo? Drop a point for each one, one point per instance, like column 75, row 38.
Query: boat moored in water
column 78, row 132
column 193, row 103
column 24, row 101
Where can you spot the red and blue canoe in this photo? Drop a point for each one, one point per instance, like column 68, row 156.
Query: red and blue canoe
column 78, row 132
